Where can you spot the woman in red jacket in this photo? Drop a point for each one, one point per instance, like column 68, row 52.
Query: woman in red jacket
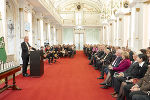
column 124, row 64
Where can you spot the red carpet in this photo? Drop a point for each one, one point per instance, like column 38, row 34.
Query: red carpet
column 68, row 79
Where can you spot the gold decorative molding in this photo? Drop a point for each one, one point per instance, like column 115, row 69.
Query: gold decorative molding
column 137, row 38
column 147, row 2
column 115, row 20
column 128, row 14
column 119, row 39
column 21, row 9
column 38, row 19
column 120, row 19
column 137, row 9
column 110, row 24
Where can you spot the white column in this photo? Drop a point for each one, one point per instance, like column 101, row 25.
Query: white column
column 54, row 35
column 59, row 36
column 30, row 31
column 40, row 37
column 108, row 35
column 3, row 18
column 116, row 33
column 41, row 32
column 146, row 25
column 120, row 32
column 103, row 34
column 126, row 30
column 49, row 32
column 130, row 33
column 21, row 21
column 112, row 33
column 137, row 26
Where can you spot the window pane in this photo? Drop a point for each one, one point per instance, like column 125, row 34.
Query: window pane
column 92, row 36
column 67, row 36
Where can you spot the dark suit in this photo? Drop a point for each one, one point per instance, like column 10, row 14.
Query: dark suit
column 144, row 85
column 107, row 61
column 25, row 56
column 133, row 71
column 99, row 55
column 98, row 62
column 140, row 97
column 114, row 64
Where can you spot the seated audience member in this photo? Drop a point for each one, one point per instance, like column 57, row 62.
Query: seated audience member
column 114, row 64
column 70, row 51
column 49, row 54
column 140, row 88
column 124, row 65
column 141, row 96
column 99, row 60
column 97, row 56
column 90, row 51
column 130, row 55
column 137, row 69
column 94, row 50
column 105, row 62
column 143, row 51
column 148, row 56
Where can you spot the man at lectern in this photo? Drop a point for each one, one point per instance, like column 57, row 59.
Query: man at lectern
column 26, row 48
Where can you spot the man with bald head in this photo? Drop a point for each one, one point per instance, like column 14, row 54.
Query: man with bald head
column 25, row 55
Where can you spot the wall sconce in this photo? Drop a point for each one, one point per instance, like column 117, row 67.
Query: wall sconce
column 137, row 38
column 120, row 19
column 137, row 9
column 20, row 9
column 38, row 19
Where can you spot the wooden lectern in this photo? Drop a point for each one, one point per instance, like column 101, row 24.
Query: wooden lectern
column 36, row 63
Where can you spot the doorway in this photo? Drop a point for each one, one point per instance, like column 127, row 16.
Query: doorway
column 79, row 41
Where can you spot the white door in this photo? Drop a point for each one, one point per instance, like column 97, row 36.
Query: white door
column 79, row 39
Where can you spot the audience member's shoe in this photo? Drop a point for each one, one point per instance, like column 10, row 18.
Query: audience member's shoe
column 26, row 75
column 105, row 87
column 49, row 61
column 115, row 96
column 96, row 68
column 101, row 77
column 23, row 75
column 102, row 83
column 113, row 93
column 90, row 64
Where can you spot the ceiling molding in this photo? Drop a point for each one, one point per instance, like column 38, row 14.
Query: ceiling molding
column 88, row 2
